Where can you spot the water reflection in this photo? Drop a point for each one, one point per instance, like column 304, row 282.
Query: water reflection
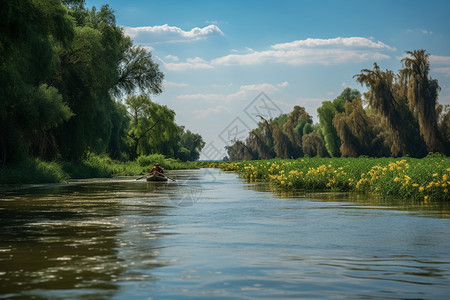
column 67, row 238
column 435, row 209
column 208, row 234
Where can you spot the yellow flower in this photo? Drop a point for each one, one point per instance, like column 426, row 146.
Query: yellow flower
column 446, row 191
column 396, row 179
column 444, row 177
column 435, row 174
column 421, row 189
column 425, row 198
column 415, row 185
column 290, row 184
column 282, row 182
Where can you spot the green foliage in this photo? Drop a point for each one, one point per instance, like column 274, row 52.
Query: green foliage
column 30, row 31
column 191, row 145
column 150, row 160
column 152, row 126
column 61, row 67
column 326, row 114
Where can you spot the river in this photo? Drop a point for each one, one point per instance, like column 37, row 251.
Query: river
column 211, row 235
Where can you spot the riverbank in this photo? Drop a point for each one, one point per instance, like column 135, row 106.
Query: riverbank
column 408, row 178
column 94, row 166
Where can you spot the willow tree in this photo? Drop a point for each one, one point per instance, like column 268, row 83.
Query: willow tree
column 359, row 132
column 151, row 125
column 422, row 96
column 297, row 117
column 313, row 145
column 100, row 64
column 260, row 140
column 387, row 96
column 239, row 151
column 30, row 104
column 281, row 143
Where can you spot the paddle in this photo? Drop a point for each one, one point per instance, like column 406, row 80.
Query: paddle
column 164, row 175
column 141, row 177
column 170, row 178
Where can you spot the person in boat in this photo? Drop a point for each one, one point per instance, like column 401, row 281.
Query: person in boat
column 158, row 170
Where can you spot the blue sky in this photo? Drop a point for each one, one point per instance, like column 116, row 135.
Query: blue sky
column 219, row 56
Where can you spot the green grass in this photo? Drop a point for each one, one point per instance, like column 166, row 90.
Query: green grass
column 408, row 178
column 94, row 166
column 33, row 171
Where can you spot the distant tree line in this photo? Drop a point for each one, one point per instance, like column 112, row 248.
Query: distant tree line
column 72, row 83
column 400, row 115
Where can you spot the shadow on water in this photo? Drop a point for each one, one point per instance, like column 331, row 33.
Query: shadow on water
column 62, row 241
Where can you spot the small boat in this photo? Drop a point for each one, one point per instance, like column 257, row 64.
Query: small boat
column 155, row 177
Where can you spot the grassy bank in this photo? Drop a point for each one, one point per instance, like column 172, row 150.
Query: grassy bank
column 427, row 178
column 38, row 171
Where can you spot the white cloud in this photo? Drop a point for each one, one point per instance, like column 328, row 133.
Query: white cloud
column 440, row 64
column 174, row 84
column 440, row 60
column 203, row 113
column 443, row 70
column 245, row 92
column 166, row 34
column 422, row 31
column 204, row 97
column 191, row 63
column 283, row 84
column 148, row 48
column 352, row 42
column 310, row 51
column 172, row 57
column 300, row 56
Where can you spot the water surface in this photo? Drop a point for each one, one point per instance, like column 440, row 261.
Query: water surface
column 210, row 235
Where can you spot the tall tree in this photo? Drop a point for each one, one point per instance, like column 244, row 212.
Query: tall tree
column 99, row 64
column 422, row 96
column 387, row 95
column 30, row 30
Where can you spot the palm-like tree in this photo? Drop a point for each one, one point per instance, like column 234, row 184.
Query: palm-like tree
column 422, row 94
